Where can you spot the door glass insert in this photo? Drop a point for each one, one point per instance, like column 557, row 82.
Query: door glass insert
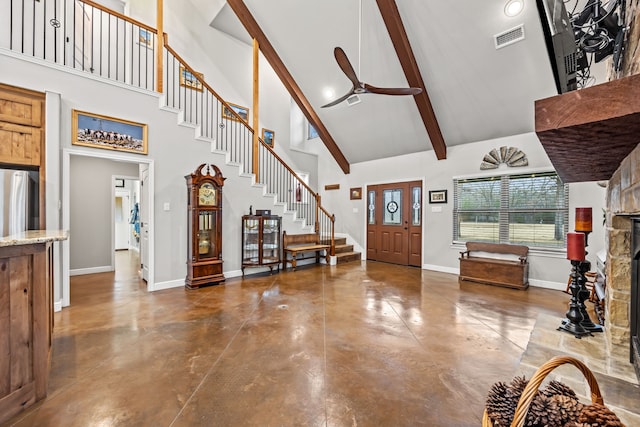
column 372, row 207
column 392, row 201
column 416, row 205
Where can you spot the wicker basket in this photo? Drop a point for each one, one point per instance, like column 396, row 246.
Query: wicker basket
column 534, row 383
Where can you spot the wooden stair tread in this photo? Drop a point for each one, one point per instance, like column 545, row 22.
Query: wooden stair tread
column 347, row 257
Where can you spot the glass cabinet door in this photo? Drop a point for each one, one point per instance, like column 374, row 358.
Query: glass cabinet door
column 207, row 232
column 251, row 240
column 271, row 240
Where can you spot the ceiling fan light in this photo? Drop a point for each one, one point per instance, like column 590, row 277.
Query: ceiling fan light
column 328, row 93
column 513, row 7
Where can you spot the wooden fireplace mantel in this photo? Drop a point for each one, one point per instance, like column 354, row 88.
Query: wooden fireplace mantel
column 587, row 133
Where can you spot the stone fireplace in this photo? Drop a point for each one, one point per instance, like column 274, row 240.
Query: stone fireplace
column 623, row 257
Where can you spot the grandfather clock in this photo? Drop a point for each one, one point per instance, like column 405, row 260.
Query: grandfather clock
column 204, row 206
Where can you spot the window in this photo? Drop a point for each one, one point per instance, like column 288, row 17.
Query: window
column 311, row 131
column 531, row 209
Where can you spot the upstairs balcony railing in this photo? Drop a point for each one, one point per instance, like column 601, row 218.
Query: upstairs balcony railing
column 86, row 36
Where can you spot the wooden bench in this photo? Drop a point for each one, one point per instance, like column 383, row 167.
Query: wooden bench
column 295, row 244
column 495, row 264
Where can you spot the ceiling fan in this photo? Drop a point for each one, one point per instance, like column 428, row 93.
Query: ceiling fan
column 360, row 87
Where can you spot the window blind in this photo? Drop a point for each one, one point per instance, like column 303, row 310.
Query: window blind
column 527, row 209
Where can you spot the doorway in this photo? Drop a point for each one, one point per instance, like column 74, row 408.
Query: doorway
column 126, row 222
column 82, row 202
column 394, row 223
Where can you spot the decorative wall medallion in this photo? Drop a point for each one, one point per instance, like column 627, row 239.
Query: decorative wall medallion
column 511, row 156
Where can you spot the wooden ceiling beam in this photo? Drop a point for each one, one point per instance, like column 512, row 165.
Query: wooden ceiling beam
column 395, row 28
column 254, row 30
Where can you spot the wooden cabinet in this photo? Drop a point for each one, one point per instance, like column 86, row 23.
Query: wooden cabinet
column 261, row 241
column 22, row 128
column 204, row 227
column 26, row 325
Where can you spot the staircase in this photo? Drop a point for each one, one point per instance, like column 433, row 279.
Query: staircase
column 345, row 252
column 141, row 57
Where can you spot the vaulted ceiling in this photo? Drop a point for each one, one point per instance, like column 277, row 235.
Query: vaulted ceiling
column 476, row 91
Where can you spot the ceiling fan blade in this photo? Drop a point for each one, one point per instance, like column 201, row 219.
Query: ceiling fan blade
column 346, row 66
column 392, row 90
column 339, row 100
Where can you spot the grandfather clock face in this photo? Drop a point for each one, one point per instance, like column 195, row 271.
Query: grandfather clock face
column 207, row 195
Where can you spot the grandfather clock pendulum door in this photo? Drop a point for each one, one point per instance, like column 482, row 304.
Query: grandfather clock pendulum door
column 204, row 254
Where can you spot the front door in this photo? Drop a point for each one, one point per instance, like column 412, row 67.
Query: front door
column 394, row 223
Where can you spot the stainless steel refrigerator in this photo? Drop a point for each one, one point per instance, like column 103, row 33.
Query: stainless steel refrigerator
column 19, row 197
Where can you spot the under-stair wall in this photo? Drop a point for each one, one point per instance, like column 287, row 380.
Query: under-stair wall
column 173, row 148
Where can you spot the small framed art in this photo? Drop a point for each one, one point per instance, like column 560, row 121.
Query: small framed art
column 240, row 112
column 355, row 193
column 268, row 136
column 438, row 196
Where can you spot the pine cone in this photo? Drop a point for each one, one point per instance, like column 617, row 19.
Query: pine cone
column 500, row 405
column 556, row 387
column 517, row 386
column 599, row 415
column 538, row 414
column 567, row 408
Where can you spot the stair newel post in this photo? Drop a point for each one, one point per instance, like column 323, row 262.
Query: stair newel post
column 317, row 226
column 333, row 235
column 256, row 104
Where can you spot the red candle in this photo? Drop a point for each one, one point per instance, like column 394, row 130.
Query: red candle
column 583, row 219
column 575, row 246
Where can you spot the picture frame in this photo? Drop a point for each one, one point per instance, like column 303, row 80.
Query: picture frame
column 189, row 79
column 119, row 183
column 144, row 37
column 268, row 136
column 330, row 187
column 243, row 112
column 355, row 193
column 109, row 133
column 438, row 196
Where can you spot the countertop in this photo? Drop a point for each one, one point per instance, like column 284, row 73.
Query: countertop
column 33, row 236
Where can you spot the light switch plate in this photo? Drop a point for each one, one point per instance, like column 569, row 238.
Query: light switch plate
column 436, row 208
column 167, row 206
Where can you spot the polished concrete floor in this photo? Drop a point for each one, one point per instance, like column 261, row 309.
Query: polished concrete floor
column 358, row 344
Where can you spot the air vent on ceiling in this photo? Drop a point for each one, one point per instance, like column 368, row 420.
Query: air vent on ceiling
column 353, row 100
column 509, row 37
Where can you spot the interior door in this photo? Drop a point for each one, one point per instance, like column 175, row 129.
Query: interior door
column 144, row 222
column 394, row 223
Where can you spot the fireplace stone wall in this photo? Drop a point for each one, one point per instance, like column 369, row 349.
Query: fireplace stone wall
column 623, row 202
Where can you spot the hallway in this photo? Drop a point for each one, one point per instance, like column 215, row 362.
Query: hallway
column 360, row 344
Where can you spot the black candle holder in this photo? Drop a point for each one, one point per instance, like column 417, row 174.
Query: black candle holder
column 583, row 295
column 572, row 323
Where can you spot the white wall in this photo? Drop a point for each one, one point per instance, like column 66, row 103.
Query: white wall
column 439, row 252
column 226, row 64
column 90, row 210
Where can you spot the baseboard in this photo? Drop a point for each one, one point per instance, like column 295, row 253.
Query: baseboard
column 158, row 286
column 547, row 285
column 57, row 306
column 441, row 269
column 91, row 270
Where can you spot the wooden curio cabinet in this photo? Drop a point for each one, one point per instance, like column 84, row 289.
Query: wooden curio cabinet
column 261, row 241
column 204, row 228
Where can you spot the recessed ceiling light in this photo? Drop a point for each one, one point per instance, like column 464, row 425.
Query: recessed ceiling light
column 513, row 7
column 328, row 93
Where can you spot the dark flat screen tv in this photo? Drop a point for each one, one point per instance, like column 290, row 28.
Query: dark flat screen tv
column 561, row 43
